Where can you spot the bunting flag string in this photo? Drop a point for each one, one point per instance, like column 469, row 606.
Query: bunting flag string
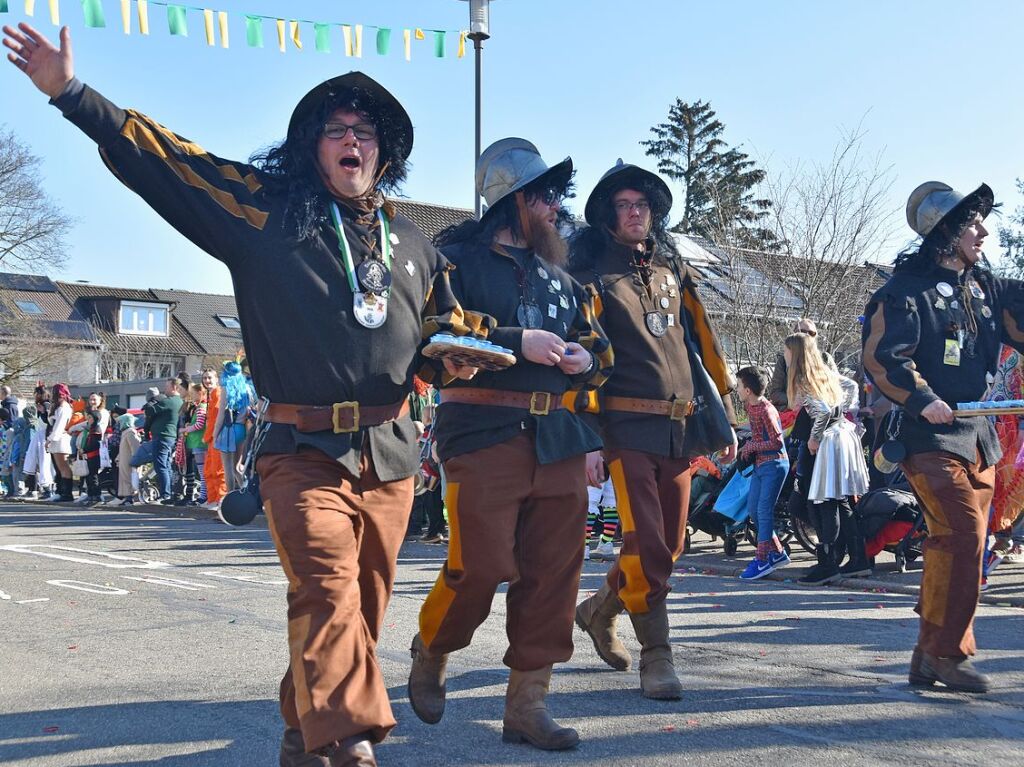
column 215, row 24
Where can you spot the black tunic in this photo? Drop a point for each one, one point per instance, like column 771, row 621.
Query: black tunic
column 294, row 301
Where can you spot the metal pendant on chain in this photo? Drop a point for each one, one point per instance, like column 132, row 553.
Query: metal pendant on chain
column 529, row 315
column 374, row 276
column 370, row 309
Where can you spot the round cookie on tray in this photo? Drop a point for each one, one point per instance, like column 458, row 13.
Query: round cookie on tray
column 463, row 350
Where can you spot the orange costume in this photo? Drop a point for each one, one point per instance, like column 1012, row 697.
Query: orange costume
column 213, row 470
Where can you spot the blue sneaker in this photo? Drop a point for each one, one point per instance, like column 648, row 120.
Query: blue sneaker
column 757, row 569
column 778, row 560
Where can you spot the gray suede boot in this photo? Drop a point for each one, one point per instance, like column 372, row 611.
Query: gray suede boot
column 598, row 616
column 658, row 678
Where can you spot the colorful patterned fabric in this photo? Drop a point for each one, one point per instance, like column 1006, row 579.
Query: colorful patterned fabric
column 1009, row 496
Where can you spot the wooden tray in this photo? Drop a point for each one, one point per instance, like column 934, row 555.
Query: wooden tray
column 485, row 359
column 989, row 411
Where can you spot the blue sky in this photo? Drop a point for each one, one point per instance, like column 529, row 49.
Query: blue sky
column 931, row 83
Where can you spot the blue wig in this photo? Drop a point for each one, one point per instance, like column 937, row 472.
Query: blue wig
column 235, row 386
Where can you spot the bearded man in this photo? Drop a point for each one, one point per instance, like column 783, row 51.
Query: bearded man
column 649, row 306
column 513, row 455
column 332, row 287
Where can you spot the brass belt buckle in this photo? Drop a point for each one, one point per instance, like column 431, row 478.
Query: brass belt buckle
column 534, row 410
column 337, row 409
column 679, row 410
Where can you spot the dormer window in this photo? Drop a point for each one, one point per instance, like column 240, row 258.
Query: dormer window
column 137, row 318
column 229, row 321
column 29, row 307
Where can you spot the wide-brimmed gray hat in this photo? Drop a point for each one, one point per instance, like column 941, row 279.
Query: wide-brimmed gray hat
column 508, row 165
column 933, row 201
column 622, row 175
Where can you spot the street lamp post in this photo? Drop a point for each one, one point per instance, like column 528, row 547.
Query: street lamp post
column 479, row 30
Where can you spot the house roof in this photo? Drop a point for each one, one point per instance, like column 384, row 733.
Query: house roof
column 198, row 313
column 82, row 294
column 58, row 318
column 432, row 219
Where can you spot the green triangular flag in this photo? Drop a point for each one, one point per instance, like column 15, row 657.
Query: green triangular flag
column 3, row 6
column 439, row 44
column 93, row 13
column 176, row 20
column 383, row 41
column 323, row 37
column 254, row 31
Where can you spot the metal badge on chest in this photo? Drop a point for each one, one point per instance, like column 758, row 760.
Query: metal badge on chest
column 371, row 281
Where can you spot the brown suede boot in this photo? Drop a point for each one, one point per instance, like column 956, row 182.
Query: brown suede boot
column 657, row 673
column 427, row 682
column 356, row 751
column 526, row 715
column 293, row 751
column 955, row 673
column 598, row 616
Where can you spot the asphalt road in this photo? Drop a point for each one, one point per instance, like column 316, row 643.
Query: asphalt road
column 133, row 639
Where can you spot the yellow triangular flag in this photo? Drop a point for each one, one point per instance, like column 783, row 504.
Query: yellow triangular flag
column 346, row 32
column 126, row 16
column 222, row 22
column 143, row 6
column 280, row 35
column 294, row 29
column 462, row 45
column 407, row 37
column 30, row 7
column 357, row 49
column 55, row 12
column 420, row 35
column 208, row 26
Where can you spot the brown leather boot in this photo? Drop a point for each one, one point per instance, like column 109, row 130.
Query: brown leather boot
column 657, row 672
column 355, row 751
column 426, row 686
column 526, row 715
column 598, row 616
column 955, row 673
column 293, row 751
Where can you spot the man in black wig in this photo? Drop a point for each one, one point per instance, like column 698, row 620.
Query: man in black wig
column 513, row 455
column 931, row 335
column 649, row 306
column 332, row 288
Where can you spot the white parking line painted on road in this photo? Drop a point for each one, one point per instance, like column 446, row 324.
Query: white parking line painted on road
column 4, row 595
column 92, row 588
column 176, row 583
column 30, row 601
column 248, row 579
column 113, row 561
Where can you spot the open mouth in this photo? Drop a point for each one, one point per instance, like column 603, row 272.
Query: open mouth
column 350, row 163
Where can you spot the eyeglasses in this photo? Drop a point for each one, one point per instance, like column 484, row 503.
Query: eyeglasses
column 362, row 131
column 550, row 196
column 624, row 206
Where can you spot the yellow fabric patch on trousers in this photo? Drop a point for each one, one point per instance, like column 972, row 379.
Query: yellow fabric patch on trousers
column 634, row 593
column 298, row 635
column 435, row 607
column 622, row 496
column 935, row 585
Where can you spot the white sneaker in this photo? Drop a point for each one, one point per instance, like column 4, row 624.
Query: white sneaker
column 212, row 505
column 603, row 550
column 82, row 499
column 54, row 497
column 1015, row 556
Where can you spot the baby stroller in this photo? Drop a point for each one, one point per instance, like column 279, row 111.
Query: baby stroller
column 891, row 519
column 709, row 480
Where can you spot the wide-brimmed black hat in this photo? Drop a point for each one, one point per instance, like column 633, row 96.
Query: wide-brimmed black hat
column 336, row 86
column 934, row 202
column 621, row 176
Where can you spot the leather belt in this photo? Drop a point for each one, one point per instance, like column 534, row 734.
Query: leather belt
column 676, row 409
column 537, row 402
column 341, row 417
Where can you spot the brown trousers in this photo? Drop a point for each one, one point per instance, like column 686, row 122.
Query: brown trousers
column 338, row 540
column 955, row 496
column 511, row 519
column 653, row 498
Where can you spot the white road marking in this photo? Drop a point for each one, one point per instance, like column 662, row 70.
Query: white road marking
column 4, row 595
column 30, row 601
column 248, row 579
column 113, row 561
column 92, row 588
column 172, row 582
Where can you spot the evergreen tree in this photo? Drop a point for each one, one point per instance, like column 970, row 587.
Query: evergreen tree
column 1011, row 239
column 718, row 181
